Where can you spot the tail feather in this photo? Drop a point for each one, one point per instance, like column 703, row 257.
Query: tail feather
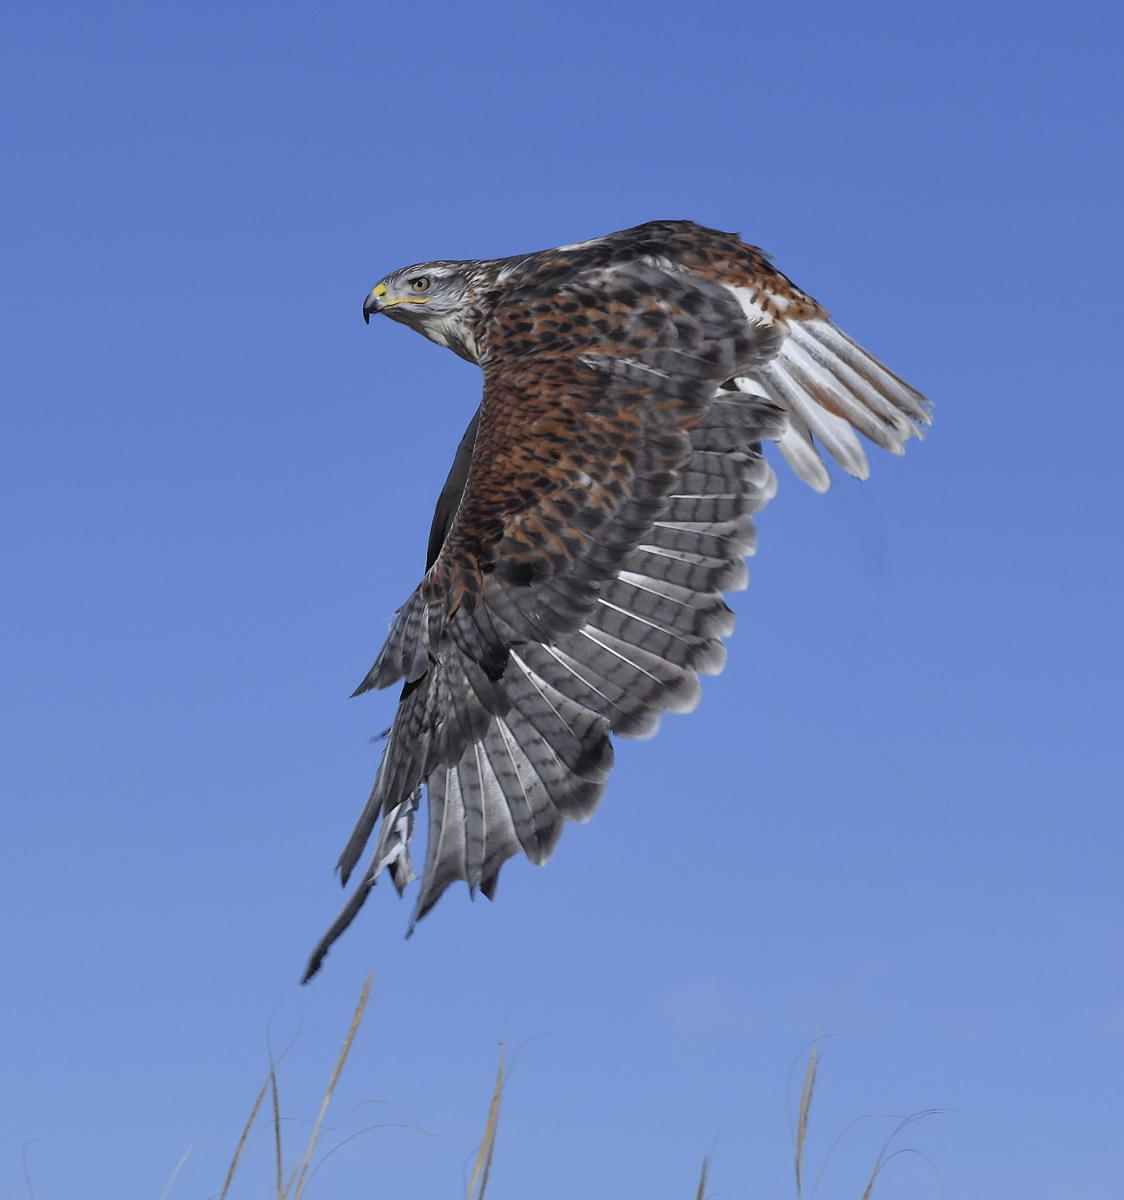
column 500, row 839
column 406, row 650
column 574, row 734
column 445, row 859
column 535, row 817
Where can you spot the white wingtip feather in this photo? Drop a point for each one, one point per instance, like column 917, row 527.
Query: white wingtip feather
column 831, row 387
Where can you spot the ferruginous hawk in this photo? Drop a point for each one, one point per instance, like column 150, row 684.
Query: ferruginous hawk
column 597, row 508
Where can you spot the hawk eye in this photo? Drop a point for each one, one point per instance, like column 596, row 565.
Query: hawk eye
column 420, row 283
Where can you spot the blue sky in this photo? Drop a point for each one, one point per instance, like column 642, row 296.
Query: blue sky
column 895, row 817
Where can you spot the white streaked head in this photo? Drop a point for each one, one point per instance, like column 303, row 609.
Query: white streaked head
column 432, row 298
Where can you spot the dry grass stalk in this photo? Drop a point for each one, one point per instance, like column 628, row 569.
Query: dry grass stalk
column 483, row 1168
column 230, row 1172
column 167, row 1187
column 884, row 1154
column 802, row 1114
column 701, row 1193
column 276, row 1101
column 300, row 1174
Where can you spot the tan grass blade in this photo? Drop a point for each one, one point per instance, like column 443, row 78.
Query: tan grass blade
column 483, row 1167
column 26, row 1168
column 275, row 1099
column 701, row 1193
column 884, row 1154
column 803, row 1113
column 300, row 1172
column 242, row 1140
column 172, row 1178
column 360, row 1133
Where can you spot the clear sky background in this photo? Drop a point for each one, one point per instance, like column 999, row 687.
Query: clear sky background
column 896, row 816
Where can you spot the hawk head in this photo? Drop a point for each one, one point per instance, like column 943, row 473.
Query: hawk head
column 438, row 299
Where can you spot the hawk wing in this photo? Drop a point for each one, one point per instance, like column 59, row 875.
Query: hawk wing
column 829, row 387
column 598, row 507
column 578, row 588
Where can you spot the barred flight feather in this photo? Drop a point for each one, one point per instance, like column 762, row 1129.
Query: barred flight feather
column 628, row 710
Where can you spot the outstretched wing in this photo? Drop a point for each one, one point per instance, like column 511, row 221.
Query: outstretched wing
column 578, row 588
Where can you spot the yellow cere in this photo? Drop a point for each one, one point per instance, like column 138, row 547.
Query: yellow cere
column 380, row 294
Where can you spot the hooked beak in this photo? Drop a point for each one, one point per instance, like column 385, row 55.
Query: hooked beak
column 374, row 302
